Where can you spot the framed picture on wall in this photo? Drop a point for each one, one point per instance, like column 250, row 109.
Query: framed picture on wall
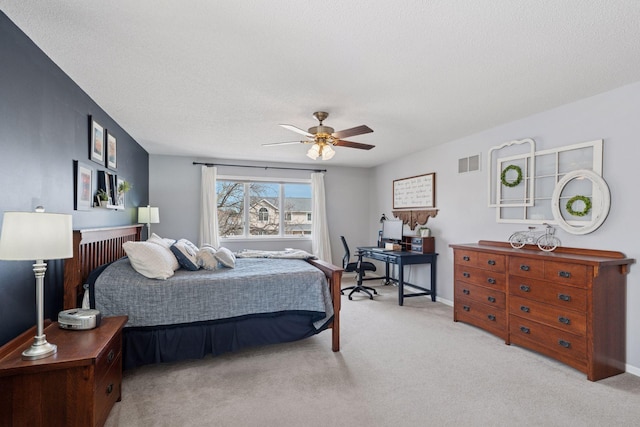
column 96, row 142
column 112, row 159
column 83, row 187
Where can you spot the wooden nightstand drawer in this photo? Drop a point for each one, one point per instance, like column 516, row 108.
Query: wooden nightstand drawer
column 108, row 390
column 108, row 357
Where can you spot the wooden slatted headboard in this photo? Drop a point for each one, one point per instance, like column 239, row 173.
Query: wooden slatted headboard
column 91, row 249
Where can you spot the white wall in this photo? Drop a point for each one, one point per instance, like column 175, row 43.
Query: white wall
column 462, row 198
column 174, row 186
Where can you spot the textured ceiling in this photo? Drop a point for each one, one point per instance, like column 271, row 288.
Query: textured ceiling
column 215, row 78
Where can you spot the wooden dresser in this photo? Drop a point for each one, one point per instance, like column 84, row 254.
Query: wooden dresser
column 569, row 304
column 77, row 386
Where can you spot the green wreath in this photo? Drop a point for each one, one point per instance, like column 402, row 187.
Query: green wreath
column 583, row 212
column 515, row 182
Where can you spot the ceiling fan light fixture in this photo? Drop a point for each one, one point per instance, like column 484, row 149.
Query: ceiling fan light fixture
column 313, row 152
column 328, row 152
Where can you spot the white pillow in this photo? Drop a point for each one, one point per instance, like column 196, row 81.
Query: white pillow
column 186, row 253
column 165, row 243
column 207, row 258
column 150, row 260
column 226, row 257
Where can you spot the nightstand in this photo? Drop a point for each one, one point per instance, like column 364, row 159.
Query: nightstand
column 77, row 386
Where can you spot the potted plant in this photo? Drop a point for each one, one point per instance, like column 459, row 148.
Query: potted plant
column 123, row 188
column 424, row 232
column 103, row 197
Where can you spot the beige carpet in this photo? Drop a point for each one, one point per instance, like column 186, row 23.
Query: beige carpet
column 398, row 366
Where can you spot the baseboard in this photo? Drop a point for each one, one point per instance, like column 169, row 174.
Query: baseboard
column 444, row 301
column 633, row 370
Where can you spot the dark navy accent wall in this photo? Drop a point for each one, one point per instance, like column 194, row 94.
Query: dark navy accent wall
column 44, row 127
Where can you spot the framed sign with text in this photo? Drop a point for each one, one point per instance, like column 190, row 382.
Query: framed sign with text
column 414, row 192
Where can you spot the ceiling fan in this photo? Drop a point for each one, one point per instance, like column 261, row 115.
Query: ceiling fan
column 323, row 138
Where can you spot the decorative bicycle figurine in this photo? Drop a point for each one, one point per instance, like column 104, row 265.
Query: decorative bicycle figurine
column 546, row 240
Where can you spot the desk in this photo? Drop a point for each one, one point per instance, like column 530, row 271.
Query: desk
column 402, row 258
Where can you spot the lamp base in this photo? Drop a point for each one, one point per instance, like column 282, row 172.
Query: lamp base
column 39, row 349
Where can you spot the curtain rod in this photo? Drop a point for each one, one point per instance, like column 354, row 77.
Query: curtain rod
column 257, row 167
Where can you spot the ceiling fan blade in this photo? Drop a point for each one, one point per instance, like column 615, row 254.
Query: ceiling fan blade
column 342, row 143
column 358, row 130
column 271, row 144
column 298, row 130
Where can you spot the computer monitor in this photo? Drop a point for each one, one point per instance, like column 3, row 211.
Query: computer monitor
column 392, row 230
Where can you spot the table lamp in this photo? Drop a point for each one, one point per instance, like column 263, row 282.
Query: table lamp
column 37, row 236
column 148, row 215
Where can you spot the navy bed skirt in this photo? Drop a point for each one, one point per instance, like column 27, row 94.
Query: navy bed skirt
column 158, row 344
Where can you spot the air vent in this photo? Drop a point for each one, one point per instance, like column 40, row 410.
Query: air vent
column 469, row 164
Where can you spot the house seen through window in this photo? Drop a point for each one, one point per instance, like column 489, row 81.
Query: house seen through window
column 254, row 208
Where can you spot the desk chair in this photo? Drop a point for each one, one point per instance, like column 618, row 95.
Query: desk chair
column 360, row 268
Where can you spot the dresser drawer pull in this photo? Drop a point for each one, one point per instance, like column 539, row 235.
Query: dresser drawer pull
column 491, row 299
column 524, row 267
column 466, row 258
column 565, row 344
column 565, row 274
column 466, row 308
column 491, row 317
column 466, row 291
column 465, row 274
column 564, row 320
column 491, row 262
column 524, row 329
column 564, row 297
column 524, row 308
column 491, row 280
column 525, row 288
column 109, row 388
column 110, row 356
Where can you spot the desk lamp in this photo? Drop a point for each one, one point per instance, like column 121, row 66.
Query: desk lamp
column 37, row 236
column 148, row 215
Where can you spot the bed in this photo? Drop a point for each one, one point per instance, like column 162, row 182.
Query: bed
column 155, row 336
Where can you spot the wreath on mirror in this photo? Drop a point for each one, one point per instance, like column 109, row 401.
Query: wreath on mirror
column 583, row 199
column 515, row 182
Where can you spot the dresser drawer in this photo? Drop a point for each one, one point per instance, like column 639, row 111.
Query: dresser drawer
column 487, row 261
column 568, row 320
column 490, row 318
column 487, row 296
column 559, row 272
column 551, row 293
column 561, row 345
column 480, row 277
column 526, row 267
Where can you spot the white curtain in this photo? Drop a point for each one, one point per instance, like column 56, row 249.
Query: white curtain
column 209, row 208
column 320, row 244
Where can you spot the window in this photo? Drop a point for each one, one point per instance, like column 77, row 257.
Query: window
column 248, row 208
column 263, row 215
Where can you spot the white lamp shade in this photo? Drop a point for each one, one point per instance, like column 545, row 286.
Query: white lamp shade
column 313, row 152
column 327, row 152
column 36, row 236
column 148, row 215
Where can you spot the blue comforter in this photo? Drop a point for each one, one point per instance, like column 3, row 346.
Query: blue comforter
column 255, row 286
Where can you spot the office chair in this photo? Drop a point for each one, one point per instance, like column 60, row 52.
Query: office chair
column 360, row 268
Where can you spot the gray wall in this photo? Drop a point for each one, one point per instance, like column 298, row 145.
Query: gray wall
column 44, row 127
column 175, row 189
column 462, row 198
